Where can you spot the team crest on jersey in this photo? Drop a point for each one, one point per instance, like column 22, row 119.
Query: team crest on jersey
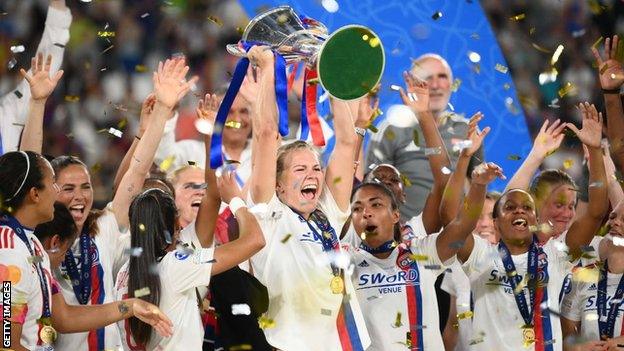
column 363, row 264
column 182, row 255
column 404, row 261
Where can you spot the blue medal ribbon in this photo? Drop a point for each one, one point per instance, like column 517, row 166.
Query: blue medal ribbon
column 81, row 280
column 515, row 279
column 329, row 242
column 14, row 224
column 383, row 248
column 605, row 326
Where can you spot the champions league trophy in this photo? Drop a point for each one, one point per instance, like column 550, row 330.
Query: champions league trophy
column 349, row 62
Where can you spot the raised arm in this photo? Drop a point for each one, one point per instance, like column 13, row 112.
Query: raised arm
column 146, row 110
column 250, row 239
column 616, row 194
column 341, row 160
column 454, row 190
column 170, row 86
column 584, row 228
column 547, row 141
column 611, row 74
column 41, row 86
column 458, row 231
column 417, row 99
column 209, row 207
column 80, row 318
column 365, row 115
column 265, row 138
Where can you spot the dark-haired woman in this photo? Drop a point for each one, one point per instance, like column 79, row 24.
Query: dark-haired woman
column 28, row 192
column 57, row 235
column 394, row 283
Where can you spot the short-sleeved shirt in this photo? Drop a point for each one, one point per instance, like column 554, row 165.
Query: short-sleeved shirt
column 579, row 304
column 380, row 286
column 18, row 267
column 297, row 274
column 410, row 159
column 107, row 250
column 180, row 273
column 456, row 283
column 497, row 320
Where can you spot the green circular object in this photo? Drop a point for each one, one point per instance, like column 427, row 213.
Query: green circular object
column 351, row 62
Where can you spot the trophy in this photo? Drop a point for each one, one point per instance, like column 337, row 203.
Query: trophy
column 349, row 62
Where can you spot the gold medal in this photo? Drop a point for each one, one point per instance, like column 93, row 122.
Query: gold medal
column 337, row 285
column 528, row 335
column 47, row 334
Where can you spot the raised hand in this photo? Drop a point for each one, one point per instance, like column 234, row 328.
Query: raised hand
column 228, row 188
column 146, row 111
column 153, row 316
column 610, row 69
column 170, row 84
column 250, row 87
column 208, row 107
column 261, row 56
column 41, row 84
column 366, row 111
column 485, row 173
column 549, row 138
column 475, row 135
column 417, row 96
column 591, row 131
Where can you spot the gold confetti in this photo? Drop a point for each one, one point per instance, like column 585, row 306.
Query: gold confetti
column 518, row 17
column 103, row 34
column 265, row 322
column 464, row 315
column 374, row 42
column 233, row 124
column 285, row 239
column 406, row 180
column 597, row 42
column 215, row 20
column 416, row 138
column 506, row 86
column 240, row 347
column 107, row 49
column 514, row 157
column 456, row 83
column 555, row 56
column 96, row 168
column 389, row 134
column 501, row 68
column 372, row 128
column 532, row 31
column 417, row 257
column 586, row 274
column 142, row 227
column 337, row 180
column 567, row 163
column 397, row 320
column 122, row 124
column 541, row 48
column 167, row 163
column 72, row 98
column 142, row 292
column 140, row 68
column 240, row 30
column 568, row 88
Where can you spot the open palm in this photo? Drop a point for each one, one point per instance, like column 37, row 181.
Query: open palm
column 417, row 96
column 611, row 72
column 41, row 84
column 591, row 131
column 474, row 135
column 153, row 316
column 170, row 84
column 208, row 107
column 549, row 137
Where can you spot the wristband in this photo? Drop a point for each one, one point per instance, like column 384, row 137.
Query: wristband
column 360, row 131
column 611, row 91
column 236, row 204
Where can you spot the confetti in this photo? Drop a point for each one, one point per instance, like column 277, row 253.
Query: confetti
column 12, row 63
column 285, row 239
column 326, row 312
column 445, row 170
column 395, row 87
column 215, row 20
column 518, row 17
column 456, row 83
column 104, row 34
column 597, row 42
column 501, row 68
column 167, row 163
column 337, row 180
column 474, row 36
column 474, row 57
column 133, row 251
column 397, row 320
column 433, row 266
column 464, row 144
column 416, row 137
column 140, row 68
column 389, row 134
column 514, row 157
column 405, row 180
column 241, row 309
column 555, row 56
column 617, row 241
column 17, row 49
column 532, row 31
column 437, row 15
column 18, row 94
column 579, row 33
column 417, row 257
column 586, row 274
column 240, row 347
column 568, row 88
column 142, row 292
column 142, row 227
column 115, row 132
column 145, row 15
column 265, row 322
column 596, row 185
column 567, row 163
column 372, row 128
column 433, row 151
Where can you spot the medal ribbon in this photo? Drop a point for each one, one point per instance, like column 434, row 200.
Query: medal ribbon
column 606, row 326
column 81, row 280
column 385, row 247
column 14, row 224
column 536, row 318
column 328, row 236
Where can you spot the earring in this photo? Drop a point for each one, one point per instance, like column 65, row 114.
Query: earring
column 54, row 250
